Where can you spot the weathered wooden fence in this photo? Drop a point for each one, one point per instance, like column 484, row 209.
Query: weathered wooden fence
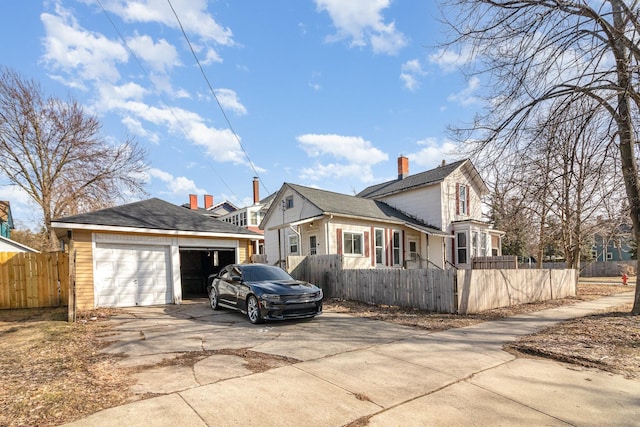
column 481, row 290
column 430, row 290
column 493, row 262
column 31, row 280
column 445, row 291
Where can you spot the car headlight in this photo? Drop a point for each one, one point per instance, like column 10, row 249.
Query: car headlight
column 320, row 295
column 271, row 297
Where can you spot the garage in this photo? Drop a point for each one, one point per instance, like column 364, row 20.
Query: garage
column 145, row 253
column 128, row 275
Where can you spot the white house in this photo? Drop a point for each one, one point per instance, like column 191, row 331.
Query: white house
column 429, row 220
column 450, row 198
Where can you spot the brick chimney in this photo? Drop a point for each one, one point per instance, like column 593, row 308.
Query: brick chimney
column 208, row 201
column 193, row 201
column 403, row 167
column 256, row 190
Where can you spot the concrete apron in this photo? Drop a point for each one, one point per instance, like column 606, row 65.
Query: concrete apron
column 352, row 368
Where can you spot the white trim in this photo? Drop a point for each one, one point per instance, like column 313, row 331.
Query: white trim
column 110, row 228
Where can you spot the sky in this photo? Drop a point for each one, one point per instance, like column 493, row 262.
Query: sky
column 321, row 93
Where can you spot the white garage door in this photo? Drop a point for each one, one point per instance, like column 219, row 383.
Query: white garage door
column 130, row 275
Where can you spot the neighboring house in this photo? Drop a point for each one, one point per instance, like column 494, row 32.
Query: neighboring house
column 6, row 220
column 614, row 247
column 148, row 252
column 8, row 245
column 209, row 209
column 428, row 220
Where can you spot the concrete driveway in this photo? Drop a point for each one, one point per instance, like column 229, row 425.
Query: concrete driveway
column 341, row 369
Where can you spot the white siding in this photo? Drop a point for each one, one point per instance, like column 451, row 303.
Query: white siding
column 424, row 203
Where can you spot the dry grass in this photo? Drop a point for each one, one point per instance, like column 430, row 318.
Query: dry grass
column 52, row 371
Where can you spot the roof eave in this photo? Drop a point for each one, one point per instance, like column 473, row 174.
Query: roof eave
column 137, row 230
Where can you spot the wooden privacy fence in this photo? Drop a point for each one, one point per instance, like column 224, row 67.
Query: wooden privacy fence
column 481, row 290
column 31, row 280
column 444, row 291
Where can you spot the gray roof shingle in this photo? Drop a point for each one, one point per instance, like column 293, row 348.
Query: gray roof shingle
column 155, row 214
column 424, row 178
column 343, row 204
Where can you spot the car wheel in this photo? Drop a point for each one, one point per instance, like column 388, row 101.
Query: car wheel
column 253, row 310
column 213, row 298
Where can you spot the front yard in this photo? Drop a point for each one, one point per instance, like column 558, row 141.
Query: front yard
column 52, row 371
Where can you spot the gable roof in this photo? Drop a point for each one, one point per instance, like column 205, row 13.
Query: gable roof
column 331, row 203
column 152, row 214
column 421, row 179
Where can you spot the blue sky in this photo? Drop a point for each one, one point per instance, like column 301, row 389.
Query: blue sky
column 322, row 93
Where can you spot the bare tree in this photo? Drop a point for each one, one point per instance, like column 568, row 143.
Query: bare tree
column 540, row 53
column 53, row 151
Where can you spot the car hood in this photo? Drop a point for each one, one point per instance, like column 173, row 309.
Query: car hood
column 286, row 287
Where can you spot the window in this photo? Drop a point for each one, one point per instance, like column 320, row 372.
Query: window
column 379, row 245
column 313, row 245
column 609, row 256
column 396, row 248
column 461, row 243
column 462, row 200
column 293, row 243
column 352, row 243
column 288, row 202
column 413, row 249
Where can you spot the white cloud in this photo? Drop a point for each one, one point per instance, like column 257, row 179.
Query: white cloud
column 74, row 50
column 466, row 96
column 432, row 152
column 161, row 56
column 361, row 22
column 411, row 70
column 178, row 186
column 192, row 13
column 136, row 128
column 450, row 61
column 229, row 100
column 357, row 154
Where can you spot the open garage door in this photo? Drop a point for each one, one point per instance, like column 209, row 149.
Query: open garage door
column 131, row 275
column 197, row 264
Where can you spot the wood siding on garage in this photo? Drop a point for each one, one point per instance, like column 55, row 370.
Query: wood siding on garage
column 84, row 269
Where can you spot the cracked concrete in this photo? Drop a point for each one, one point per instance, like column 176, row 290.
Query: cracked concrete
column 353, row 370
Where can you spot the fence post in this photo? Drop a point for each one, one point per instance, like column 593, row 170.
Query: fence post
column 71, row 309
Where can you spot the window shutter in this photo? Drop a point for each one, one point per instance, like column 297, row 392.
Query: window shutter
column 339, row 240
column 367, row 244
column 457, row 199
column 468, row 200
column 372, row 244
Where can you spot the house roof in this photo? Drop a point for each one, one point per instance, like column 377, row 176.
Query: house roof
column 421, row 179
column 353, row 206
column 6, row 244
column 153, row 214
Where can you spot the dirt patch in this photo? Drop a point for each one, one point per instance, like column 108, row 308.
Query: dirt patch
column 254, row 361
column 609, row 340
column 51, row 370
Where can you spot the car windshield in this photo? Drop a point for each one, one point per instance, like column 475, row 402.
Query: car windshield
column 261, row 273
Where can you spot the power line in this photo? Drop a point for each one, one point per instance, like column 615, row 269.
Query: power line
column 224, row 114
column 158, row 91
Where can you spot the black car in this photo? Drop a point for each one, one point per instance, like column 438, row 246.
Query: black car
column 263, row 292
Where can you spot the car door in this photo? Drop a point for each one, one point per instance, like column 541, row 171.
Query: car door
column 226, row 289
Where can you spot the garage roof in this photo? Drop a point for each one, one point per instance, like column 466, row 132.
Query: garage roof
column 152, row 214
